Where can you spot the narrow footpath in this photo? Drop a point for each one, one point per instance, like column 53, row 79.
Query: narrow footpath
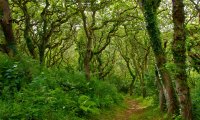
column 133, row 108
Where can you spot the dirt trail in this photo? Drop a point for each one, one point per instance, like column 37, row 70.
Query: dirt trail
column 133, row 108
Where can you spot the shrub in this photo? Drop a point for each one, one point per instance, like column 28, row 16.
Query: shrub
column 13, row 76
column 122, row 85
column 51, row 93
column 195, row 103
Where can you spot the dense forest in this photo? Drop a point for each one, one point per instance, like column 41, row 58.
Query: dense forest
column 85, row 59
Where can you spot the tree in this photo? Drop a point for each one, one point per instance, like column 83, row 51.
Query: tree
column 179, row 55
column 162, row 100
column 135, row 54
column 89, row 12
column 6, row 23
column 150, row 13
column 48, row 33
column 195, row 3
column 27, row 16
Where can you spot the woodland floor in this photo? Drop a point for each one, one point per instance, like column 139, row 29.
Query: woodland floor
column 134, row 110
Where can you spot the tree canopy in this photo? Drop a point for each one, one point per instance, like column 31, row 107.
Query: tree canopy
column 145, row 48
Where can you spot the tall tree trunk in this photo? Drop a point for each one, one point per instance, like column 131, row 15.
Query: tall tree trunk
column 150, row 13
column 179, row 55
column 6, row 24
column 162, row 100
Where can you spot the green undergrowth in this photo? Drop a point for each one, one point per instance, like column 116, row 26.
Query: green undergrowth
column 150, row 112
column 196, row 101
column 28, row 91
column 110, row 114
column 113, row 112
column 145, row 102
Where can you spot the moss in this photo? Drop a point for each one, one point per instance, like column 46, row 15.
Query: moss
column 150, row 13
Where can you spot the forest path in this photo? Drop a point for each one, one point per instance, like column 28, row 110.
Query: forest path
column 134, row 108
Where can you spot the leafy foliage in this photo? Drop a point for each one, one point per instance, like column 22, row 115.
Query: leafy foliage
column 196, row 101
column 105, row 39
column 51, row 95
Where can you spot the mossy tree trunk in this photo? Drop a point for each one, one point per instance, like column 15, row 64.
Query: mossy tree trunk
column 6, row 24
column 179, row 55
column 150, row 13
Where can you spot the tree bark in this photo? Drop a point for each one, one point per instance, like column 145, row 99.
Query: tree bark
column 132, row 75
column 150, row 13
column 88, row 52
column 6, row 24
column 27, row 37
column 162, row 100
column 44, row 38
column 142, row 84
column 179, row 55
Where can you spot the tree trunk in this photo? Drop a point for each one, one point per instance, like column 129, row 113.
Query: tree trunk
column 6, row 24
column 132, row 86
column 142, row 85
column 88, row 52
column 27, row 37
column 179, row 55
column 150, row 13
column 162, row 100
column 42, row 48
column 132, row 75
column 44, row 38
column 87, row 64
column 127, row 60
column 167, row 85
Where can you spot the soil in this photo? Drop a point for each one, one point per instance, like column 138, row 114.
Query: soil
column 133, row 108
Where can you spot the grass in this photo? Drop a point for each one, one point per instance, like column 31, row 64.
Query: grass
column 110, row 114
column 150, row 113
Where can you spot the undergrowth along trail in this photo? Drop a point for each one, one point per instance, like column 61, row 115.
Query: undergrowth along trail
column 139, row 109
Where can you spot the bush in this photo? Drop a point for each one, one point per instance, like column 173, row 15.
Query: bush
column 195, row 103
column 105, row 94
column 122, row 85
column 40, row 93
column 13, row 75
